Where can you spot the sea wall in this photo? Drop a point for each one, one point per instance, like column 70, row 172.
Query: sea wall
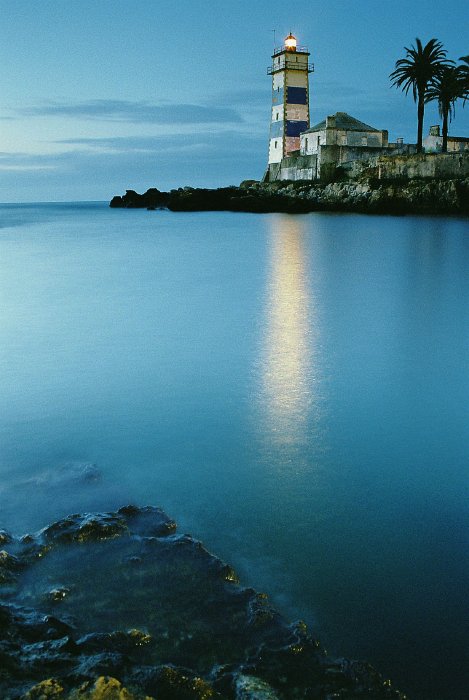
column 294, row 168
column 424, row 165
column 334, row 163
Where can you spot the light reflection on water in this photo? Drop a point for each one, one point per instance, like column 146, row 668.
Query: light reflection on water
column 290, row 340
column 290, row 366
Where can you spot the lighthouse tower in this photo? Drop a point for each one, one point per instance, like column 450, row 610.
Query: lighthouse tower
column 290, row 98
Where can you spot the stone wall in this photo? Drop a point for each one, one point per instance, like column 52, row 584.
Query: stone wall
column 339, row 162
column 424, row 165
column 294, row 168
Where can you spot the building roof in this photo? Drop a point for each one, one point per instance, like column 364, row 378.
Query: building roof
column 344, row 122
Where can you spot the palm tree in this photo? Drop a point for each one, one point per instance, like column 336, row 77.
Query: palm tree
column 417, row 70
column 446, row 88
column 464, row 75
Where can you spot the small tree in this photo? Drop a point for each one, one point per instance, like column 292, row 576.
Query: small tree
column 418, row 70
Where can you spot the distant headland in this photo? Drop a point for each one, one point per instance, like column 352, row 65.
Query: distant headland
column 413, row 184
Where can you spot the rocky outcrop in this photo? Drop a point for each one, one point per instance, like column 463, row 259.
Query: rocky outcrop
column 370, row 196
column 118, row 606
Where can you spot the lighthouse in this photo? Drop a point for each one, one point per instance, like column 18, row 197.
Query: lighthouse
column 290, row 98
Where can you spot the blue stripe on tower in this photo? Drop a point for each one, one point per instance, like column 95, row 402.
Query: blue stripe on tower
column 296, row 95
column 295, row 128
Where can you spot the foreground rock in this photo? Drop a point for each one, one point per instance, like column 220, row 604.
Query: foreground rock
column 118, row 606
column 371, row 196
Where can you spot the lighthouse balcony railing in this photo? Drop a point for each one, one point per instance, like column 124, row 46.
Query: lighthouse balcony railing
column 281, row 49
column 290, row 65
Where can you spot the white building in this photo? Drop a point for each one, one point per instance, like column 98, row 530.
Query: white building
column 433, row 143
column 340, row 129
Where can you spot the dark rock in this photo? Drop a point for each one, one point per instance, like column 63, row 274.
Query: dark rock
column 58, row 594
column 89, row 667
column 9, row 567
column 246, row 184
column 175, row 683
column 5, row 537
column 110, row 689
column 85, row 528
column 116, row 202
column 49, row 689
column 367, row 195
column 152, row 199
column 252, row 688
column 160, row 615
column 147, row 521
column 114, row 641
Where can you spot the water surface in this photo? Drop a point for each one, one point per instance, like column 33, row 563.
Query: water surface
column 291, row 389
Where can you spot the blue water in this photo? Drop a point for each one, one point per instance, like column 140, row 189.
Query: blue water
column 293, row 390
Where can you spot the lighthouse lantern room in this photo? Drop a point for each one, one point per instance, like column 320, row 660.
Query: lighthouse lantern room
column 290, row 98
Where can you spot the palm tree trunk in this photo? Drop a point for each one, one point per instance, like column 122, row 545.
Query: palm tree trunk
column 444, row 147
column 420, row 113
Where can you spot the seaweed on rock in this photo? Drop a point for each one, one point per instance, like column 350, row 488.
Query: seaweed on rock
column 119, row 606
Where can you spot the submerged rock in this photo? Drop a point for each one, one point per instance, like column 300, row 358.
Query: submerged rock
column 144, row 612
column 252, row 688
column 5, row 537
column 69, row 474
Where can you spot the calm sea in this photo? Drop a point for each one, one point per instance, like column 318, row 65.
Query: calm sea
column 293, row 390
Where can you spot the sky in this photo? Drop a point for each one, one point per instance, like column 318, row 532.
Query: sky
column 101, row 96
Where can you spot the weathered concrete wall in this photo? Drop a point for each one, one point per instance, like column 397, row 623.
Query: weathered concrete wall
column 423, row 165
column 365, row 162
column 312, row 142
column 295, row 168
column 322, row 165
column 434, row 143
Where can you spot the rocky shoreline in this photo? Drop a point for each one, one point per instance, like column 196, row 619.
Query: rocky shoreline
column 118, row 606
column 448, row 197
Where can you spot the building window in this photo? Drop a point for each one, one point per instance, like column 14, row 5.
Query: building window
column 276, row 144
column 306, row 144
column 276, row 116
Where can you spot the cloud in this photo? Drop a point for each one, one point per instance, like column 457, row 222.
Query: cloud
column 136, row 112
column 197, row 151
column 168, row 143
column 18, row 161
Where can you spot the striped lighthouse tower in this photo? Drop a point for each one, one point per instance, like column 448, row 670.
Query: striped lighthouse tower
column 290, row 98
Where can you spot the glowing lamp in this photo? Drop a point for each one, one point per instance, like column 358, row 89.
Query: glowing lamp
column 290, row 43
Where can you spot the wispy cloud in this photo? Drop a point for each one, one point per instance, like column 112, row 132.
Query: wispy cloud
column 168, row 143
column 136, row 112
column 98, row 168
column 82, row 152
column 18, row 162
